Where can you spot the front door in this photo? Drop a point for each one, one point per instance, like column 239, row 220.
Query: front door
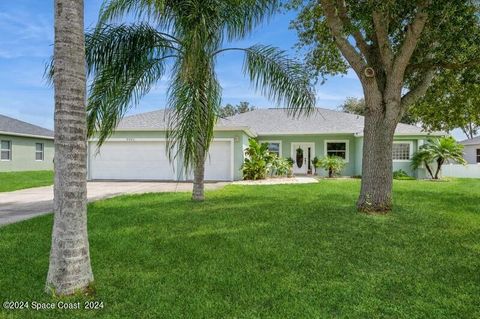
column 302, row 155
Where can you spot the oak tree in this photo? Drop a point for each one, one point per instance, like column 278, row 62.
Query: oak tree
column 396, row 48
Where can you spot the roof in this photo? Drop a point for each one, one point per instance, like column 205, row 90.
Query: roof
column 273, row 121
column 11, row 126
column 471, row 141
column 155, row 120
column 322, row 121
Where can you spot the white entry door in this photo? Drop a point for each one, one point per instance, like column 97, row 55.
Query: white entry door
column 302, row 155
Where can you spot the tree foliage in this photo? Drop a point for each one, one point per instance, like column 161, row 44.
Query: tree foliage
column 453, row 101
column 357, row 106
column 231, row 110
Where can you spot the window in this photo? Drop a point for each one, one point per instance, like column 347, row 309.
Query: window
column 337, row 148
column 274, row 147
column 401, row 151
column 478, row 155
column 39, row 151
column 6, row 151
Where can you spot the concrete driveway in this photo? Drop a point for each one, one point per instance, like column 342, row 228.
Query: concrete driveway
column 28, row 203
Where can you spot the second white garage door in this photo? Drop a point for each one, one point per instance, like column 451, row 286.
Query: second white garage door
column 147, row 160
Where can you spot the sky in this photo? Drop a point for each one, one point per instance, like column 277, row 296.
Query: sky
column 26, row 45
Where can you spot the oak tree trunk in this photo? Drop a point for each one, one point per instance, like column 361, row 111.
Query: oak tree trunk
column 377, row 178
column 198, row 193
column 69, row 269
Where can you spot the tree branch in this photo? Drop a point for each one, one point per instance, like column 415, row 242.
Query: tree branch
column 413, row 34
column 337, row 28
column 381, row 32
column 347, row 22
column 418, row 91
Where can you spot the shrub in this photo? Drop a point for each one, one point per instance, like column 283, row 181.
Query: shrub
column 281, row 167
column 315, row 164
column 258, row 161
column 438, row 150
column 332, row 164
column 402, row 175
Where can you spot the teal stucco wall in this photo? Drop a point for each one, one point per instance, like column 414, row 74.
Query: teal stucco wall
column 397, row 165
column 240, row 138
column 23, row 154
column 319, row 141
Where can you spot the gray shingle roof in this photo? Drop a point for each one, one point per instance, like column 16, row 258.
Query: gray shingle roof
column 155, row 120
column 322, row 121
column 14, row 126
column 272, row 121
column 472, row 141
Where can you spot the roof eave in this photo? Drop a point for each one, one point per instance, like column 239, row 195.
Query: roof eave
column 360, row 134
column 245, row 129
column 26, row 135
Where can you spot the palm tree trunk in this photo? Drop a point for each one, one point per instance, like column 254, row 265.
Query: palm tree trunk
column 429, row 170
column 198, row 193
column 439, row 167
column 70, row 269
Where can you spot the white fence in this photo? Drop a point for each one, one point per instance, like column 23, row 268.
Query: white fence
column 458, row 170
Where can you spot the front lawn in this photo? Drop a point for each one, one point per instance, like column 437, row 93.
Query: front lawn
column 12, row 181
column 285, row 251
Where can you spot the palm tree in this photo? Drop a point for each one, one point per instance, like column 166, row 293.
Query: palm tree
column 438, row 150
column 69, row 270
column 184, row 37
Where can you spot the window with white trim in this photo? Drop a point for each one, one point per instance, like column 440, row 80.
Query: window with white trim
column 6, row 150
column 274, row 147
column 39, row 151
column 337, row 149
column 401, row 151
column 478, row 155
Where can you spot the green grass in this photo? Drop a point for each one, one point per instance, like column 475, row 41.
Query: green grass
column 286, row 251
column 12, row 181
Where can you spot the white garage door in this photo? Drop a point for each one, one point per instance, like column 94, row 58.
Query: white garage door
column 142, row 160
column 218, row 163
column 130, row 161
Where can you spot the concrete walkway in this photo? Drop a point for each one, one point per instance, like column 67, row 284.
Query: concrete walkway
column 27, row 203
column 280, row 180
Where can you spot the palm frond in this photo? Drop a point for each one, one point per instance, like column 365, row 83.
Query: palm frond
column 194, row 99
column 279, row 78
column 126, row 62
column 240, row 17
column 115, row 9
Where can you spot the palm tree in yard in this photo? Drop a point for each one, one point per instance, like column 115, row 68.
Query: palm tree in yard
column 184, row 38
column 438, row 151
column 70, row 268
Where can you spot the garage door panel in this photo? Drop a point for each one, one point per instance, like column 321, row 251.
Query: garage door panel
column 131, row 161
column 218, row 162
column 148, row 161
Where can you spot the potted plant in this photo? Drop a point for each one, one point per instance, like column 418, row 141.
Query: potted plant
column 315, row 164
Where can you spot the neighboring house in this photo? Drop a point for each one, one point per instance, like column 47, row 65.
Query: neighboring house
column 471, row 151
column 24, row 147
column 137, row 150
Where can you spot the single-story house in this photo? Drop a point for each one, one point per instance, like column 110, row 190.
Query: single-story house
column 471, row 150
column 24, row 146
column 137, row 149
